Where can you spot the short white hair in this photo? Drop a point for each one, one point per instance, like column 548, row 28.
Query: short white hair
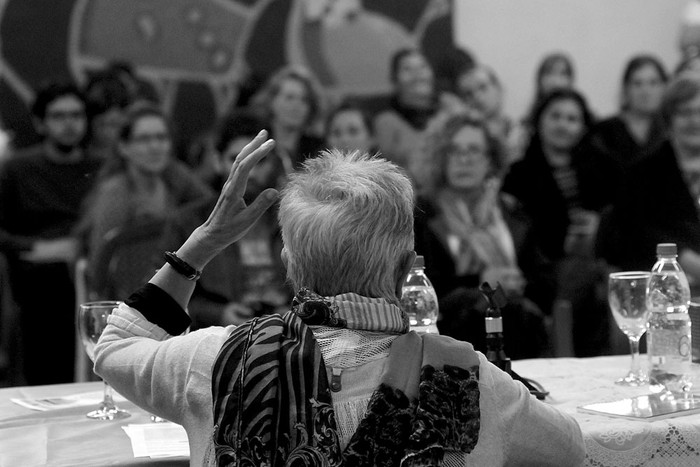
column 346, row 217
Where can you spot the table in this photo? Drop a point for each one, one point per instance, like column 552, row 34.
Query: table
column 614, row 442
column 66, row 437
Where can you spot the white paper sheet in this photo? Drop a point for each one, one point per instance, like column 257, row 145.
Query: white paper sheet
column 158, row 440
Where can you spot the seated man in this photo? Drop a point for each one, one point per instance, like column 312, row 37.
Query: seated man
column 335, row 380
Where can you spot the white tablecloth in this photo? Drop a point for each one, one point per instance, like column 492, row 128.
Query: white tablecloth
column 615, row 442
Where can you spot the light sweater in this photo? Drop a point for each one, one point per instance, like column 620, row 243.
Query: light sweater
column 171, row 377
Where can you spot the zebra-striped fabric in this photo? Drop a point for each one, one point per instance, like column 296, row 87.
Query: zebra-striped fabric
column 277, row 361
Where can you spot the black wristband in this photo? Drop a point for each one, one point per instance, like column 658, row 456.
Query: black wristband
column 159, row 308
column 180, row 266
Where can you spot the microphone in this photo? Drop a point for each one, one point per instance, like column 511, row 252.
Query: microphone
column 495, row 354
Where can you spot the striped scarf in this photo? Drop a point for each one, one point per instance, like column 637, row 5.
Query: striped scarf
column 273, row 404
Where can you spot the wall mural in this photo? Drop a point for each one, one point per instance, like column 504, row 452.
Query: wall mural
column 201, row 55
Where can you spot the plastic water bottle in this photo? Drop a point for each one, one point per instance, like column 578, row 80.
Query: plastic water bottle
column 419, row 299
column 668, row 335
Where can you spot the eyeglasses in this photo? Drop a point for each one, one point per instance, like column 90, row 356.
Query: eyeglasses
column 152, row 137
column 65, row 115
column 469, row 152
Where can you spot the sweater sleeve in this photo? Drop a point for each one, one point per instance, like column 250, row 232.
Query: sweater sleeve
column 168, row 376
column 534, row 433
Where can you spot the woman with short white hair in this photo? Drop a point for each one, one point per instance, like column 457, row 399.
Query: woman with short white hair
column 335, row 381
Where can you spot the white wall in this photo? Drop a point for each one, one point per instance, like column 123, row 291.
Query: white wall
column 513, row 35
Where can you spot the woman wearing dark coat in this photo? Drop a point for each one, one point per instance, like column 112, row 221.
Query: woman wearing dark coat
column 659, row 203
column 469, row 233
column 555, row 183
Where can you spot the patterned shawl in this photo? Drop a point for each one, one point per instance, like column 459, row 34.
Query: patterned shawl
column 273, row 404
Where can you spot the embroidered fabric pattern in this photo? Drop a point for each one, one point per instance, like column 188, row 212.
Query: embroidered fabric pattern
column 672, row 448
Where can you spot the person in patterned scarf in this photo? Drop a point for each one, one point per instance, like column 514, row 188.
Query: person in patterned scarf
column 338, row 380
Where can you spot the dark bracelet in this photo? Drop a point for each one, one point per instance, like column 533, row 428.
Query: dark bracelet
column 182, row 267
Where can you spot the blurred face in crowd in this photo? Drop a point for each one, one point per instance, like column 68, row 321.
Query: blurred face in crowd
column 556, row 77
column 348, row 130
column 106, row 126
column 685, row 124
column 467, row 164
column 148, row 147
column 262, row 175
column 290, row 106
column 65, row 122
column 561, row 125
column 644, row 90
column 480, row 91
column 414, row 77
column 234, row 147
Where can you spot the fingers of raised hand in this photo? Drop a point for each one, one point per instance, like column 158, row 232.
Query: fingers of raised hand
column 246, row 160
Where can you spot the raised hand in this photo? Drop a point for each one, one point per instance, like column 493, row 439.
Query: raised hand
column 229, row 221
column 231, row 218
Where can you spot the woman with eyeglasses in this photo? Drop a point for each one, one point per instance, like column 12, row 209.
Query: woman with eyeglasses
column 142, row 182
column 469, row 232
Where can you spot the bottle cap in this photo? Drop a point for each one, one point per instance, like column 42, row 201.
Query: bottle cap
column 666, row 249
column 419, row 262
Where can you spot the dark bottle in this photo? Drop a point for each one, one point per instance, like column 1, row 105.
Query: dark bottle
column 494, row 326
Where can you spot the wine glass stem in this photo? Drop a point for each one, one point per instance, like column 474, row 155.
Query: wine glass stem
column 634, row 350
column 108, row 399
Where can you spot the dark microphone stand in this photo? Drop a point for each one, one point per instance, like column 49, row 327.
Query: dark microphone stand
column 494, row 337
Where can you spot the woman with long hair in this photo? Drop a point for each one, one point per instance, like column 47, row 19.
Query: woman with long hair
column 290, row 104
column 620, row 140
column 469, row 232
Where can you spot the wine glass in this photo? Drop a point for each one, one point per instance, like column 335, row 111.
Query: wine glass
column 92, row 321
column 627, row 293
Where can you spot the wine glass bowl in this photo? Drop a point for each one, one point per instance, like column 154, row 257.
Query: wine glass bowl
column 627, row 293
column 92, row 321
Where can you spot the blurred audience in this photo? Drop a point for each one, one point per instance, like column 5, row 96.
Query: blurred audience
column 401, row 129
column 248, row 278
column 555, row 71
column 469, row 232
column 41, row 190
column 107, row 98
column 291, row 105
column 660, row 201
column 553, row 182
column 615, row 143
column 483, row 93
column 349, row 128
column 143, row 181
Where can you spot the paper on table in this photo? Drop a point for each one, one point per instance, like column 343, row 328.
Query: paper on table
column 73, row 400
column 158, row 439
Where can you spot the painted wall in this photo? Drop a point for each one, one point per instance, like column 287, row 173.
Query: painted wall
column 201, row 55
column 512, row 36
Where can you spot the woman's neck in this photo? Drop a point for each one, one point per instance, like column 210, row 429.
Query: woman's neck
column 415, row 101
column 61, row 156
column 638, row 124
column 286, row 136
column 144, row 182
column 556, row 157
column 471, row 195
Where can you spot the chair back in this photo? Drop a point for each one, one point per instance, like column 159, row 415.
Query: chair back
column 128, row 258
